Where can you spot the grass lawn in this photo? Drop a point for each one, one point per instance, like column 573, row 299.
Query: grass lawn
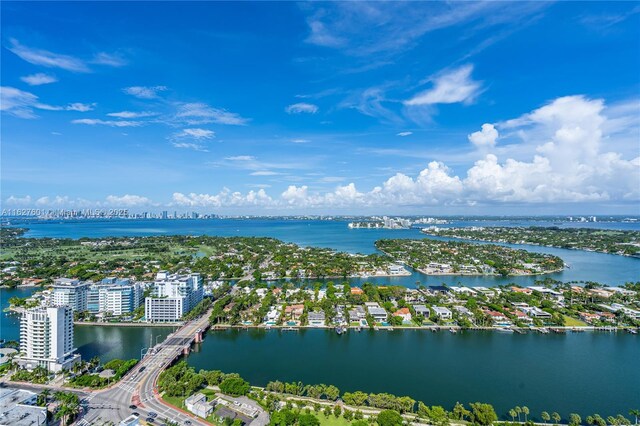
column 573, row 322
column 176, row 401
column 209, row 393
column 331, row 420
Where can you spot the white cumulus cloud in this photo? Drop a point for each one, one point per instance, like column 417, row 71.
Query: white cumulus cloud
column 485, row 138
column 127, row 200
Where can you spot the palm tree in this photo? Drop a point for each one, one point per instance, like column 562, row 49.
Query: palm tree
column 590, row 420
column 512, row 413
column 519, row 411
column 556, row 417
column 635, row 413
column 545, row 417
column 43, row 398
column 612, row 421
column 525, row 411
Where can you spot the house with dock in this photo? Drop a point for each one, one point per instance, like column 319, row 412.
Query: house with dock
column 316, row 318
column 403, row 313
column 442, row 312
column 378, row 313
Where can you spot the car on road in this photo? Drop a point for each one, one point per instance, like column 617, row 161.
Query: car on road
column 133, row 406
column 150, row 420
column 153, row 414
column 187, row 422
column 135, row 414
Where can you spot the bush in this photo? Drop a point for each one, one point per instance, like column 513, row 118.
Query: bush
column 389, row 418
column 308, row 420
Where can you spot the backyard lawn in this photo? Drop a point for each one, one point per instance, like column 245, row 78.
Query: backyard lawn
column 573, row 322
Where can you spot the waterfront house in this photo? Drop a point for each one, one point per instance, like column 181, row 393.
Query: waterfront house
column 294, row 312
column 357, row 313
column 622, row 291
column 517, row 289
column 548, row 292
column 521, row 316
column 589, row 317
column 615, row 307
column 396, row 269
column 439, row 289
column 403, row 313
column 442, row 312
column 316, row 319
column 488, row 292
column 605, row 294
column 463, row 290
column 422, row 310
column 535, row 312
column 463, row 311
column 495, row 315
column 273, row 315
column 356, row 291
column 378, row 313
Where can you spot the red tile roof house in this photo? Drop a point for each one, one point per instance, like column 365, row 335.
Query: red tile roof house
column 522, row 316
column 403, row 313
column 588, row 317
column 356, row 290
column 295, row 311
column 495, row 316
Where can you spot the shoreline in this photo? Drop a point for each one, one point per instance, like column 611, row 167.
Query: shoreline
column 457, row 328
column 554, row 271
column 454, row 274
column 128, row 324
column 530, row 244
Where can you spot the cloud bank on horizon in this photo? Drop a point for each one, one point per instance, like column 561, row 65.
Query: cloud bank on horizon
column 443, row 109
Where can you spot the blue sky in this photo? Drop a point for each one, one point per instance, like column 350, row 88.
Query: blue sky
column 269, row 108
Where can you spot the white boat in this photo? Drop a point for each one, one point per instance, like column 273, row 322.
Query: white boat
column 504, row 330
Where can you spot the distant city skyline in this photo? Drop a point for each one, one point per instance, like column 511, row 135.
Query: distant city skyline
column 322, row 108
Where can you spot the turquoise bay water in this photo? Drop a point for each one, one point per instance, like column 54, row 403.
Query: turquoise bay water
column 584, row 373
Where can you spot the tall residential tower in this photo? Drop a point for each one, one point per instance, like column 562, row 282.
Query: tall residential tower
column 46, row 339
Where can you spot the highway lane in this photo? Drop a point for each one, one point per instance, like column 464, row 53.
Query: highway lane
column 139, row 385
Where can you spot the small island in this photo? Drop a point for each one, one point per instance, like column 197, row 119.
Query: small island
column 386, row 222
column 625, row 243
column 36, row 261
column 434, row 257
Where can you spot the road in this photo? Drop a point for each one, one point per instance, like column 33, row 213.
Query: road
column 139, row 385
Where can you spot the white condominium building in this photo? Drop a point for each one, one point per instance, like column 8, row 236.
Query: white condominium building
column 173, row 296
column 46, row 339
column 114, row 296
column 70, row 292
